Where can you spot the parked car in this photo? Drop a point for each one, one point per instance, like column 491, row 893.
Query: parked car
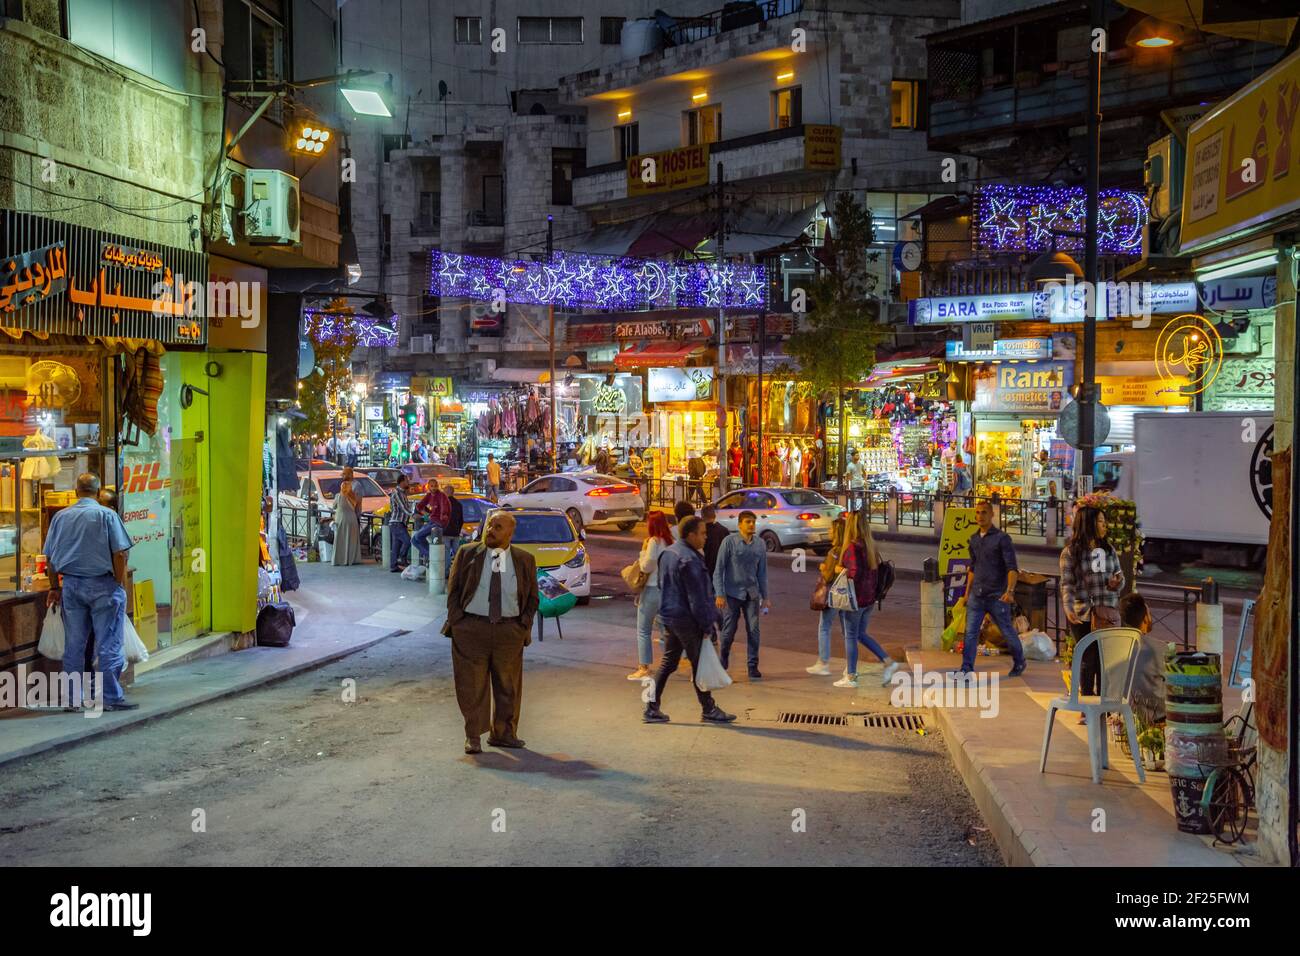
column 385, row 478
column 588, row 499
column 447, row 477
column 324, row 485
column 555, row 544
column 474, row 510
column 786, row 517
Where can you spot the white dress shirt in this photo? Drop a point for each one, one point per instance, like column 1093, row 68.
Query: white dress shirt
column 478, row 604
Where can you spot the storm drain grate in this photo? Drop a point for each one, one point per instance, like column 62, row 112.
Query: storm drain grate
column 895, row 721
column 825, row 720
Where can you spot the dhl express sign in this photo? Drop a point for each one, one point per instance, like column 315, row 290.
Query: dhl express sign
column 672, row 169
column 1243, row 160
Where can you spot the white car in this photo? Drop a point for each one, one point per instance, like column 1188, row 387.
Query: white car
column 590, row 500
column 786, row 517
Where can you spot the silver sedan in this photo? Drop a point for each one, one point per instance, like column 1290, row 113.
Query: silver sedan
column 787, row 517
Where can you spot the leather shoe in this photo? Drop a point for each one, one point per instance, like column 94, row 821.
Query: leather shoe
column 717, row 715
column 754, row 674
column 653, row 715
column 121, row 705
column 472, row 745
column 1016, row 670
column 512, row 742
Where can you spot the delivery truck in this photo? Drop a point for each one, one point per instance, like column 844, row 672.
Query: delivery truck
column 1202, row 483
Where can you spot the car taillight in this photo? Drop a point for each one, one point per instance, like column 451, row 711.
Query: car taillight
column 809, row 516
column 611, row 490
column 599, row 493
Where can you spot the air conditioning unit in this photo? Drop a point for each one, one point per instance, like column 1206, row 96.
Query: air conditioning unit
column 271, row 207
column 1163, row 176
column 422, row 345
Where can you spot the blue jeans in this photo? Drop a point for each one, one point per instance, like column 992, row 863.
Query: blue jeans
column 421, row 539
column 824, row 627
column 99, row 602
column 399, row 540
column 976, row 607
column 854, row 624
column 731, row 619
column 453, row 545
column 647, row 614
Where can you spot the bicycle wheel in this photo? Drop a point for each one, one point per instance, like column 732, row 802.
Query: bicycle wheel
column 1229, row 804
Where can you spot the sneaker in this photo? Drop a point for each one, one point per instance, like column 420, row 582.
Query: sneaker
column 653, row 715
column 891, row 668
column 960, row 676
column 821, row 669
column 639, row 673
column 848, row 680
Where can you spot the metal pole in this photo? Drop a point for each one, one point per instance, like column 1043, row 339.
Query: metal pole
column 550, row 308
column 1093, row 300
column 722, row 341
column 762, row 346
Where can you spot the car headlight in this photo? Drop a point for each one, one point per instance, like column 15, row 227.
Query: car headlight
column 578, row 560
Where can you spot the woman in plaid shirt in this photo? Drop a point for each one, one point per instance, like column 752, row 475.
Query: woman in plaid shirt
column 1091, row 581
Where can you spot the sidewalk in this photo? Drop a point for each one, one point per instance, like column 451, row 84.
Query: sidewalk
column 334, row 619
column 1048, row 819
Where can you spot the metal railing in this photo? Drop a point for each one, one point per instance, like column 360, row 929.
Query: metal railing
column 679, row 30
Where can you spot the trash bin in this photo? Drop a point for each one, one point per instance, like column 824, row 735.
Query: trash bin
column 1031, row 595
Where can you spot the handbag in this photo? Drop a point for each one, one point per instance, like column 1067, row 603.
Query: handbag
column 710, row 674
column 820, row 595
column 843, row 595
column 634, row 577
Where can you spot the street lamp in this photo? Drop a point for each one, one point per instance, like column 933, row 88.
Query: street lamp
column 1152, row 34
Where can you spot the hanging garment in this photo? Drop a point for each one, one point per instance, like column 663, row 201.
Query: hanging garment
column 38, row 468
column 796, row 467
column 787, row 409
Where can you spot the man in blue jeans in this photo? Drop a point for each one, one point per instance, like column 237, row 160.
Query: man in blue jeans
column 991, row 589
column 86, row 550
column 740, row 583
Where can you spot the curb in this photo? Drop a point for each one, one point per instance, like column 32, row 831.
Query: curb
column 136, row 718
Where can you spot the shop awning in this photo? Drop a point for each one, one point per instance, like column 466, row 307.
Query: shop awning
column 613, row 239
column 671, row 234
column 522, row 376
column 756, row 230
column 890, row 372
column 658, row 354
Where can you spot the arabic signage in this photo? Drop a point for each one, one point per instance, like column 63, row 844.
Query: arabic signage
column 680, row 384
column 1242, row 385
column 1251, row 292
column 1243, row 160
column 742, row 359
column 821, row 147
column 1003, row 349
column 1029, row 387
column 598, row 396
column 1149, row 392
column 1064, row 303
column 73, row 280
column 672, row 169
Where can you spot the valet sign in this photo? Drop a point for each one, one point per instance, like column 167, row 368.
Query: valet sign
column 680, row 384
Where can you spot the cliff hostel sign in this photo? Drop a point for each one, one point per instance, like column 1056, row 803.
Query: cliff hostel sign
column 1243, row 160
column 72, row 280
column 650, row 173
column 821, row 147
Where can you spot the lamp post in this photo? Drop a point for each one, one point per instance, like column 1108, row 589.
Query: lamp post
column 550, row 309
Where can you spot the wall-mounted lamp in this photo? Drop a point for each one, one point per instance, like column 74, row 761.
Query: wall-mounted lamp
column 624, row 115
column 785, row 77
column 700, row 97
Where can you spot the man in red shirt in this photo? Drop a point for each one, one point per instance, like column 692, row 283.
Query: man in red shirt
column 437, row 506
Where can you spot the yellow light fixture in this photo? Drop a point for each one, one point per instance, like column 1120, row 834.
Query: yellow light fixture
column 700, row 97
column 624, row 115
column 785, row 77
column 1152, row 34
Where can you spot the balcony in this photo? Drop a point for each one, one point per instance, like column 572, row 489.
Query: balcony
column 677, row 31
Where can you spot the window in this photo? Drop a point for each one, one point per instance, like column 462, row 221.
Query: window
column 905, row 104
column 469, row 29
column 139, row 34
column 430, row 212
column 550, row 29
column 563, row 164
column 254, row 48
column 701, row 126
column 563, row 484
column 627, row 141
column 611, row 30
column 759, row 501
column 804, row 499
column 787, row 108
column 542, row 529
column 539, row 487
column 734, row 500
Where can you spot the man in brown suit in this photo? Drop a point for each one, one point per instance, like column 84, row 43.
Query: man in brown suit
column 491, row 601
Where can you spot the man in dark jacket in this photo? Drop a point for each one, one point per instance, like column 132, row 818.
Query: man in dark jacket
column 455, row 523
column 713, row 537
column 689, row 617
column 437, row 506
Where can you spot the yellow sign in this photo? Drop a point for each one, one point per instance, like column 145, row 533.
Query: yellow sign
column 1243, row 160
column 821, row 147
column 1189, row 348
column 146, row 614
column 1123, row 390
column 954, row 544
column 440, row 388
column 672, row 169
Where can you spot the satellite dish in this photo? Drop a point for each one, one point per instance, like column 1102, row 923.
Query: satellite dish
column 306, row 358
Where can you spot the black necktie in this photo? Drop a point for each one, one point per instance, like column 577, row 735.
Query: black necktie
column 494, row 592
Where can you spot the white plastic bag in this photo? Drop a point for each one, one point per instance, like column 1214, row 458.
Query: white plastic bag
column 51, row 643
column 414, row 572
column 132, row 646
column 843, row 596
column 1038, row 646
column 710, row 674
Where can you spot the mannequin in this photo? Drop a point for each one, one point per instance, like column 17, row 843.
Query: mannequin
column 783, row 452
column 734, row 458
column 794, row 470
column 773, row 465
column 755, row 463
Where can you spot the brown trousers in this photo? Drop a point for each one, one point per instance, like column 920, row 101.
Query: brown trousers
column 488, row 657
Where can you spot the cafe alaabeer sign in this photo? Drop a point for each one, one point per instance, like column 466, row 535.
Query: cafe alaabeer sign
column 73, row 280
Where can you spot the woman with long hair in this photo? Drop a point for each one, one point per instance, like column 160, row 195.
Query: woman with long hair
column 657, row 537
column 1091, row 581
column 826, row 616
column 347, row 522
column 861, row 559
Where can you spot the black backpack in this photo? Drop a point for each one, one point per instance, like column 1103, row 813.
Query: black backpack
column 884, row 581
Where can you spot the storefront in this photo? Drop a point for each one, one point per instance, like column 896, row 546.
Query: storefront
column 609, row 412
column 780, row 441
column 1017, row 451
column 683, row 423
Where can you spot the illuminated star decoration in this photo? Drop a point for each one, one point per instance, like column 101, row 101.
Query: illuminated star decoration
column 330, row 327
column 1107, row 216
column 1001, row 220
column 1040, row 224
column 451, row 271
column 1122, row 218
column 561, row 282
column 614, row 289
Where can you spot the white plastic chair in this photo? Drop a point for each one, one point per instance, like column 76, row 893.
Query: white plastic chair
column 1117, row 648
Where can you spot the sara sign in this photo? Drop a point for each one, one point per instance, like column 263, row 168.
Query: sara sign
column 680, row 384
column 1027, row 387
column 672, row 169
column 1019, row 349
column 1061, row 303
column 1243, row 160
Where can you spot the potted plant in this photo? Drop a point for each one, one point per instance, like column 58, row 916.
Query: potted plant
column 1151, row 741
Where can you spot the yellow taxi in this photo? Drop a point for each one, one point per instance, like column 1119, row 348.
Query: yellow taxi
column 448, row 478
column 555, row 544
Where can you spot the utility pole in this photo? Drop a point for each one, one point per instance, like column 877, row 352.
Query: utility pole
column 762, row 347
column 550, row 308
column 722, row 340
column 1093, row 300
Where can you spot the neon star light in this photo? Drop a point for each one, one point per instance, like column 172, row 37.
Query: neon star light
column 1021, row 218
column 332, row 327
column 579, row 281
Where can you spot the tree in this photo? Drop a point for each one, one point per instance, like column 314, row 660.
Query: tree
column 837, row 340
column 321, row 392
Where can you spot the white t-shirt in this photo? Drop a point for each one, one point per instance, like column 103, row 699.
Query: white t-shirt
column 854, row 474
column 650, row 551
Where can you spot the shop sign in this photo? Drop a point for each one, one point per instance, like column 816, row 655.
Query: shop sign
column 1002, row 349
column 598, row 396
column 389, row 381
column 742, row 359
column 432, row 387
column 1145, row 391
column 979, row 335
column 1032, row 387
column 954, row 549
column 1064, row 304
column 822, row 147
column 373, row 413
column 671, row 169
column 85, row 282
column 226, row 328
column 1243, row 384
column 680, row 384
column 1243, row 160
column 664, row 329
column 1231, row 295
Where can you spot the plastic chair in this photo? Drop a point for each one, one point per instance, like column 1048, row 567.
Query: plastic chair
column 1117, row 649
